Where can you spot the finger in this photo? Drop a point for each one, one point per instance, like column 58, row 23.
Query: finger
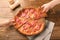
column 47, row 9
column 44, row 10
column 42, row 6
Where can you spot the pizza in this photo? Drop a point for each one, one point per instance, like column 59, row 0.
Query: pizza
column 30, row 21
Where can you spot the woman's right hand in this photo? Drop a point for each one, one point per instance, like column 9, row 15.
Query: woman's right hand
column 46, row 7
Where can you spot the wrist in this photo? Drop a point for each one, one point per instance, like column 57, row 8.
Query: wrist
column 52, row 4
column 57, row 1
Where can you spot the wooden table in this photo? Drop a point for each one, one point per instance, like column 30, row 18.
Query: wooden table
column 10, row 33
column 55, row 18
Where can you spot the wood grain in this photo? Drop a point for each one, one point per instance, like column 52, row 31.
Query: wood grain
column 8, row 33
column 56, row 31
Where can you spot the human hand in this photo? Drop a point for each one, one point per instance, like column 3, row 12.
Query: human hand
column 46, row 7
column 5, row 22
